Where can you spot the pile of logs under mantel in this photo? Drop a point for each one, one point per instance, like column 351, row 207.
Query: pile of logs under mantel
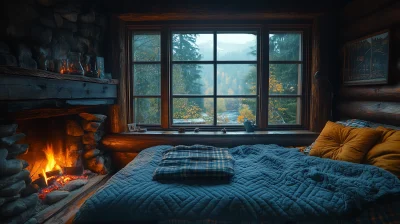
column 90, row 132
column 18, row 196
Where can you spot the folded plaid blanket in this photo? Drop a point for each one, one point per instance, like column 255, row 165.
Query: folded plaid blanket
column 195, row 162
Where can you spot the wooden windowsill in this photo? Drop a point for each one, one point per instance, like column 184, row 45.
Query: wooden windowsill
column 219, row 133
column 133, row 142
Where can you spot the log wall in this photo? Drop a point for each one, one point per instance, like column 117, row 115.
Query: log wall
column 379, row 103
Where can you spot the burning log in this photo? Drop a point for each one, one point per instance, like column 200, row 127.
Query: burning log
column 16, row 150
column 10, row 167
column 93, row 117
column 75, row 170
column 8, row 181
column 10, row 140
column 8, row 130
column 19, row 206
column 41, row 181
column 53, row 173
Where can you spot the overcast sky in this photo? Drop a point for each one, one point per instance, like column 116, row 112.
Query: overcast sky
column 226, row 38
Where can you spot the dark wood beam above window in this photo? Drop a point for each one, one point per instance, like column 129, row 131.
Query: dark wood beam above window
column 207, row 16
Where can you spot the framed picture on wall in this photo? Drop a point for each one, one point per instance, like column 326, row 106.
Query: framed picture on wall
column 366, row 60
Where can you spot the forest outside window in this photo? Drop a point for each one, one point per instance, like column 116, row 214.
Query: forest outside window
column 214, row 84
column 217, row 77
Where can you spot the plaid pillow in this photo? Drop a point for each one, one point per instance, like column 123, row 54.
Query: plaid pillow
column 195, row 162
column 355, row 123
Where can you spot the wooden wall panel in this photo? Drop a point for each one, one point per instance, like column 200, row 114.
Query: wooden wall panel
column 119, row 66
column 378, row 103
column 381, row 112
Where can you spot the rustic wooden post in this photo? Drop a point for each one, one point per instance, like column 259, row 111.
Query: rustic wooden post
column 119, row 69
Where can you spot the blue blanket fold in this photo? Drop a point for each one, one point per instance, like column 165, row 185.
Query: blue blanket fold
column 271, row 184
column 195, row 162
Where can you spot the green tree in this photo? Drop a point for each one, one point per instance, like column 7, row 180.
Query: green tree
column 146, row 77
column 186, row 76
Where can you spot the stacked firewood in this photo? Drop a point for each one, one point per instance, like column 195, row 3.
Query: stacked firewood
column 18, row 196
column 94, row 158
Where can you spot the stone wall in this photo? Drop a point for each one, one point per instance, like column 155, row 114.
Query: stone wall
column 35, row 30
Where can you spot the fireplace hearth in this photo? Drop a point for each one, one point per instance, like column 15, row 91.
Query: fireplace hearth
column 47, row 163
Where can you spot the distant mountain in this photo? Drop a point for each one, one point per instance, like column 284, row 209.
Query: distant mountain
column 228, row 51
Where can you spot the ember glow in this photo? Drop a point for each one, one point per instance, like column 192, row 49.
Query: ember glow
column 59, row 182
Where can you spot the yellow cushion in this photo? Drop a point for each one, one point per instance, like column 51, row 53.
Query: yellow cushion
column 344, row 143
column 386, row 153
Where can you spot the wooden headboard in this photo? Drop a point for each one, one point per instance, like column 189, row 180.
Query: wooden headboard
column 378, row 103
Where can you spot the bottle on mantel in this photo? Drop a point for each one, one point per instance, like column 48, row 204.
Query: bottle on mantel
column 74, row 64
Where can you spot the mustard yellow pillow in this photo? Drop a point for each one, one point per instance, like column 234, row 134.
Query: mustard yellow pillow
column 344, row 143
column 386, row 153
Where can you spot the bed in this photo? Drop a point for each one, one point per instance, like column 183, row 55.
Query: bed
column 271, row 184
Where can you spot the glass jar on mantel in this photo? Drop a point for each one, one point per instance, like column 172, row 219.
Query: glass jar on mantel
column 74, row 64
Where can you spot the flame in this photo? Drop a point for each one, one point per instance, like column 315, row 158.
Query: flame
column 51, row 161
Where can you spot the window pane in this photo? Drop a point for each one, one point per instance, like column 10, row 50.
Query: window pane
column 146, row 46
column 236, row 79
column 284, row 111
column 192, row 47
column 233, row 111
column 285, row 47
column 193, row 111
column 190, row 79
column 146, row 79
column 236, row 47
column 147, row 110
column 285, row 79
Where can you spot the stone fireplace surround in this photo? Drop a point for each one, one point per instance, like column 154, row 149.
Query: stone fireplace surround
column 74, row 137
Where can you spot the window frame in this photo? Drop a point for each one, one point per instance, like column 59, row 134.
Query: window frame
column 263, row 29
column 215, row 63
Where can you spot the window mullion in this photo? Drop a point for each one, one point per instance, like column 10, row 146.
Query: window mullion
column 264, row 77
column 165, row 79
column 215, row 78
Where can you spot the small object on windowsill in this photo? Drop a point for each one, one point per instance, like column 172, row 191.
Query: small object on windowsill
column 223, row 131
column 197, row 130
column 141, row 129
column 248, row 125
column 181, row 130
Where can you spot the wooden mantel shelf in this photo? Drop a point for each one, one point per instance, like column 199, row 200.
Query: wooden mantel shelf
column 26, row 89
column 11, row 70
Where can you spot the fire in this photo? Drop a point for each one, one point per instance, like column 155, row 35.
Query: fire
column 51, row 161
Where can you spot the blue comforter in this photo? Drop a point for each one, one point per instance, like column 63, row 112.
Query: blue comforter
column 271, row 183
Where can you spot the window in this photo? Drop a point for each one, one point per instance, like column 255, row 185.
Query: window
column 214, row 78
column 146, row 67
column 218, row 77
column 285, row 83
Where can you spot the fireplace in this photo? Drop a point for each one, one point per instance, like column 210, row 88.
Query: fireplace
column 48, row 161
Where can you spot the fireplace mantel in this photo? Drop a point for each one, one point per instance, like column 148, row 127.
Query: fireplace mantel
column 26, row 89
